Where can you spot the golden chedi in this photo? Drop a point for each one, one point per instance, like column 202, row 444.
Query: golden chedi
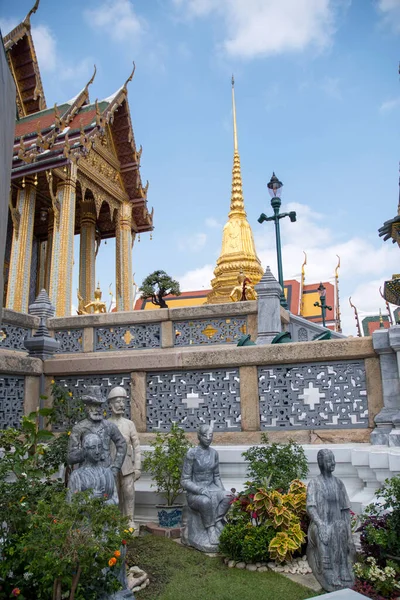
column 238, row 250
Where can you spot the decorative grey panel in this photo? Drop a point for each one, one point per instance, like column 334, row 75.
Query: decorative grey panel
column 193, row 397
column 313, row 396
column 302, row 334
column 71, row 340
column 127, row 337
column 12, row 336
column 78, row 383
column 11, row 401
column 209, row 331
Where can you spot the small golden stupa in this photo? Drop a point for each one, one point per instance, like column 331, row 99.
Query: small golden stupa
column 238, row 251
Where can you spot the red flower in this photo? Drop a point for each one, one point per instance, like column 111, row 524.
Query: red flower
column 254, row 515
column 123, row 542
column 16, row 592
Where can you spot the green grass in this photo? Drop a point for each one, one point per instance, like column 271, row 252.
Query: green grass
column 179, row 573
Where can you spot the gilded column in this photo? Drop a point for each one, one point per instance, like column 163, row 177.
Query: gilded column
column 21, row 249
column 123, row 250
column 49, row 248
column 42, row 266
column 62, row 255
column 87, row 257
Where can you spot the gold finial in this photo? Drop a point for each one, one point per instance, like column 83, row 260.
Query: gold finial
column 356, row 318
column 337, row 316
column 235, row 142
column 92, row 77
column 131, row 75
column 303, row 279
column 26, row 21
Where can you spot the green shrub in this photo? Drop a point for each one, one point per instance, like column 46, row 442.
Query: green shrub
column 246, row 542
column 165, row 462
column 275, row 466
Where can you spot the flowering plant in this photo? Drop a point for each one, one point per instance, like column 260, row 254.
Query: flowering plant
column 384, row 580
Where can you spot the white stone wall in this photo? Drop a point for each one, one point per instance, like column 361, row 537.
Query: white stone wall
column 362, row 467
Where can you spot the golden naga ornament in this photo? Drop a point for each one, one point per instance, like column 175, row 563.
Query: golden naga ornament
column 244, row 290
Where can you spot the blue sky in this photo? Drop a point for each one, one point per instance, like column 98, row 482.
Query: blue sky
column 318, row 101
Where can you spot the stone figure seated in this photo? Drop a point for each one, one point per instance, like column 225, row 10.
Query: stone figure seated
column 208, row 501
column 330, row 549
column 91, row 475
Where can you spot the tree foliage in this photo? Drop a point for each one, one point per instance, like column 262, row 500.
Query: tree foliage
column 157, row 285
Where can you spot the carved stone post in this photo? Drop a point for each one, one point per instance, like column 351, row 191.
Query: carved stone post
column 123, row 251
column 21, row 250
column 269, row 308
column 62, row 255
column 87, row 257
column 390, row 386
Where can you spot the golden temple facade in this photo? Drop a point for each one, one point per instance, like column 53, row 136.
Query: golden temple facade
column 238, row 251
column 75, row 170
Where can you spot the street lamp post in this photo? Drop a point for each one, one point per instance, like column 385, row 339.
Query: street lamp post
column 274, row 188
column 322, row 305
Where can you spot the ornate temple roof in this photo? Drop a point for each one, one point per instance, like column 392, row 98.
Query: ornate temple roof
column 24, row 66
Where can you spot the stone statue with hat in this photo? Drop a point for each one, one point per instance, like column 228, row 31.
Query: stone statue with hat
column 95, row 423
column 130, row 470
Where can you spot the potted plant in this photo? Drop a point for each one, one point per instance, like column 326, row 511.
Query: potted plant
column 164, row 463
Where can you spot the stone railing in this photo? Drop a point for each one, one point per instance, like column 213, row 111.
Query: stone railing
column 326, row 391
column 162, row 328
column 14, row 327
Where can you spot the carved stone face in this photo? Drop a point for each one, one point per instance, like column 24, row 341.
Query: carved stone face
column 94, row 412
column 93, row 449
column 117, row 405
column 327, row 462
column 205, row 437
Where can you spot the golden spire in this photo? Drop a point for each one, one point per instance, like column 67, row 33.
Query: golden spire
column 238, row 251
column 237, row 200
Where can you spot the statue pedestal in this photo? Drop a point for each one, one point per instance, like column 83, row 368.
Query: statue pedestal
column 195, row 535
column 168, row 532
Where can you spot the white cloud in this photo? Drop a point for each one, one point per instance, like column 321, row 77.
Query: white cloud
column 331, row 87
column 118, row 19
column 192, row 243
column 390, row 11
column 82, row 71
column 365, row 264
column 267, row 27
column 7, row 25
column 196, row 279
column 212, row 223
column 45, row 46
column 390, row 105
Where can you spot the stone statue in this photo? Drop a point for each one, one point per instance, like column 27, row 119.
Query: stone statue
column 330, row 549
column 95, row 423
column 244, row 290
column 130, row 470
column 91, row 475
column 208, row 501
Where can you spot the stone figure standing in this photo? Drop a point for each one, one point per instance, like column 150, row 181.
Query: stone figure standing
column 91, row 475
column 95, row 423
column 330, row 549
column 208, row 501
column 130, row 470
